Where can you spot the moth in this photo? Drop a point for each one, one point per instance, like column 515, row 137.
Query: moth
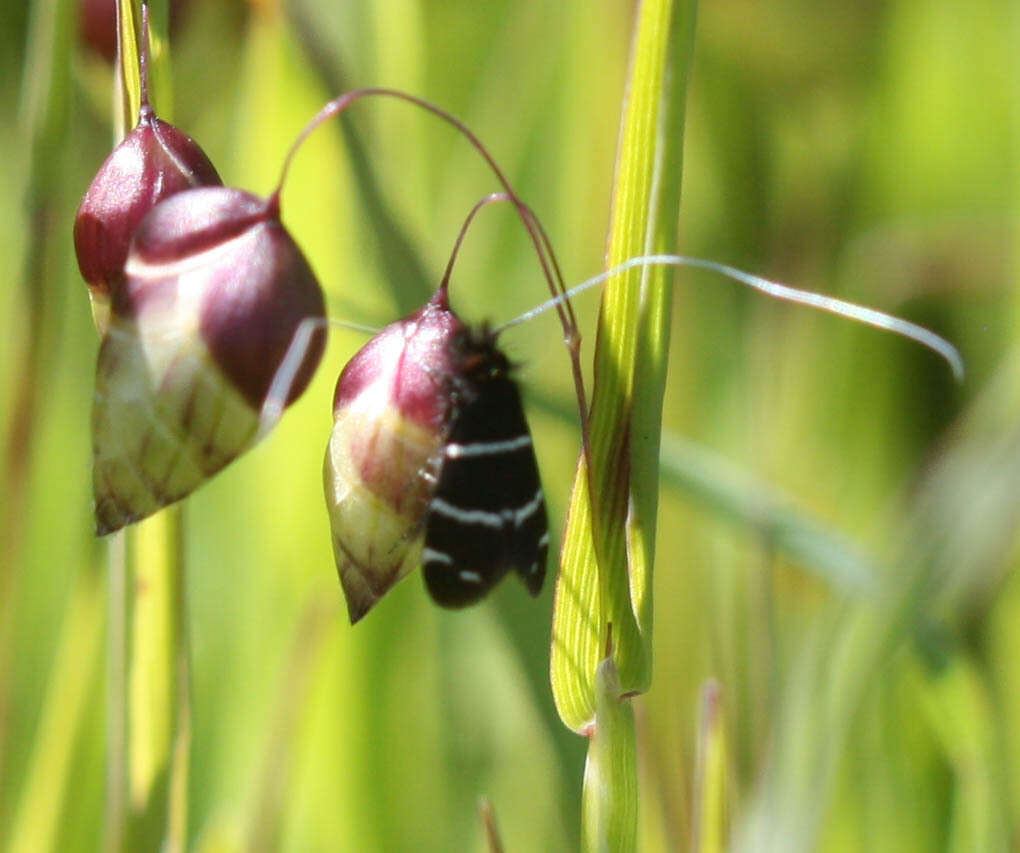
column 487, row 514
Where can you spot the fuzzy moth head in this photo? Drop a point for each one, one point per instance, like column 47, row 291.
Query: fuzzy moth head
column 215, row 292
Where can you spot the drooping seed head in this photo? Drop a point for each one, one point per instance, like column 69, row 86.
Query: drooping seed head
column 214, row 294
column 389, row 410
column 154, row 161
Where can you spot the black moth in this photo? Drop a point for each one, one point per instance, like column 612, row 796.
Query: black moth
column 487, row 514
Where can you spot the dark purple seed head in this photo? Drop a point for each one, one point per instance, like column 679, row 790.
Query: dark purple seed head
column 222, row 257
column 153, row 162
column 217, row 316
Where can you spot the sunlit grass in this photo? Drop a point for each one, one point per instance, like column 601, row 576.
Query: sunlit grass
column 838, row 519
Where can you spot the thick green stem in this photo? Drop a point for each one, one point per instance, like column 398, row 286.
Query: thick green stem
column 605, row 573
column 606, row 567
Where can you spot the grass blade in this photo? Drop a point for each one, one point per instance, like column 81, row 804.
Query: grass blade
column 606, row 561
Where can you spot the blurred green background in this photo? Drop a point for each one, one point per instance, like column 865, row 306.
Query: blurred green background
column 838, row 522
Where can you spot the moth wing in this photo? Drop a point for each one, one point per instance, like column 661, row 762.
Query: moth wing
column 487, row 514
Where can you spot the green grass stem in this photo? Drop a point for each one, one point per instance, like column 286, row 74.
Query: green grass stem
column 158, row 718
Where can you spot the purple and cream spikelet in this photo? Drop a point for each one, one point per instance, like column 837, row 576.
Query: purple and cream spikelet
column 388, row 417
column 215, row 292
column 153, row 162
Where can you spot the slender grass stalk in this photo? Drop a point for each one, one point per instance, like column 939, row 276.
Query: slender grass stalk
column 488, row 817
column 180, row 760
column 157, row 689
column 114, row 819
column 127, row 82
column 127, row 97
column 180, row 757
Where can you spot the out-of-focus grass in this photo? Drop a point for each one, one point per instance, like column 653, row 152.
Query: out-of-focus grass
column 861, row 150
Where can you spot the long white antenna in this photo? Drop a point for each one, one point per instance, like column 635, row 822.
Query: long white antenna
column 861, row 314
